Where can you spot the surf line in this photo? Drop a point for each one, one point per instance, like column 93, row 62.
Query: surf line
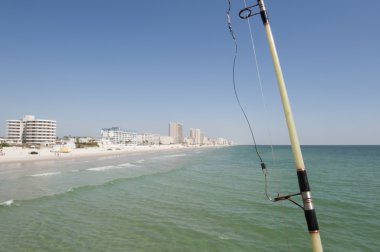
column 304, row 186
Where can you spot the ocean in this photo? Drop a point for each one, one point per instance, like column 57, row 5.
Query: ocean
column 206, row 199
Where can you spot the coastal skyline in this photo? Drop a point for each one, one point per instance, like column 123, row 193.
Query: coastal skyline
column 34, row 131
column 140, row 65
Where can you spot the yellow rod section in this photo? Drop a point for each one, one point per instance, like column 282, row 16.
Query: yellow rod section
column 316, row 242
column 285, row 102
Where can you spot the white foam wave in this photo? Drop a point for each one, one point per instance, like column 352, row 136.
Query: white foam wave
column 111, row 167
column 140, row 161
column 177, row 155
column 222, row 237
column 102, row 168
column 7, row 203
column 127, row 165
column 45, row 174
column 172, row 156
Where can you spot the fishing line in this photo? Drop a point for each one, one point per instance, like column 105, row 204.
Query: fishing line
column 247, row 16
column 234, row 84
column 263, row 165
column 307, row 207
column 265, row 171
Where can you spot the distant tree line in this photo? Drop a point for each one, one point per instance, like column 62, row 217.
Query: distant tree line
column 5, row 145
column 92, row 143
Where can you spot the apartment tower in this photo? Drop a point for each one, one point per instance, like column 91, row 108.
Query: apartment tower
column 196, row 136
column 175, row 131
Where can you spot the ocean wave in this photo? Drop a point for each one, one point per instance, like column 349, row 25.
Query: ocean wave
column 127, row 165
column 7, row 203
column 140, row 161
column 111, row 167
column 172, row 156
column 75, row 190
column 105, row 158
column 102, row 168
column 222, row 237
column 176, row 155
column 45, row 174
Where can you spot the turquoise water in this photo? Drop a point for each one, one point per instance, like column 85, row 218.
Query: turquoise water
column 190, row 200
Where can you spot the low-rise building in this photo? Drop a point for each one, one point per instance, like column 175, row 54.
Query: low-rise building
column 116, row 135
column 166, row 140
column 85, row 139
column 148, row 139
column 222, row 141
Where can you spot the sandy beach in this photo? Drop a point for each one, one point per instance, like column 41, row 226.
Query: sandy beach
column 18, row 154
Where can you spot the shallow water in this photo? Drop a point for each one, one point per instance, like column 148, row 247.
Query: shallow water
column 190, row 200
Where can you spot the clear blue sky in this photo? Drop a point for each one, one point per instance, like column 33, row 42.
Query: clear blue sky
column 140, row 64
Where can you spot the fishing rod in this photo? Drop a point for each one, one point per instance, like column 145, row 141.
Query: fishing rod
column 304, row 186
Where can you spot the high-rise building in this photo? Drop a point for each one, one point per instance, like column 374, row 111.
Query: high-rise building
column 196, row 136
column 31, row 131
column 175, row 131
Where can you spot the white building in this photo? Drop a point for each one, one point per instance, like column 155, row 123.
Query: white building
column 221, row 141
column 188, row 141
column 206, row 141
column 31, row 131
column 175, row 131
column 196, row 136
column 85, row 139
column 115, row 135
column 148, row 139
column 166, row 140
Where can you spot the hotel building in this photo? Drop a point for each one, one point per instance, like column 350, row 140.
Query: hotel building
column 31, row 131
column 116, row 135
column 175, row 131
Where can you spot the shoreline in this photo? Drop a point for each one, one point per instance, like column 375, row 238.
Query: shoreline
column 18, row 154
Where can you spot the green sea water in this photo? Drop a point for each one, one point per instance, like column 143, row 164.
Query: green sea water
column 190, row 200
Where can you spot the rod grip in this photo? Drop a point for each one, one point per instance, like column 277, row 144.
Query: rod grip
column 303, row 182
column 311, row 219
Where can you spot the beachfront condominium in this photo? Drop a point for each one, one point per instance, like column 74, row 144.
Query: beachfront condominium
column 116, row 135
column 196, row 136
column 30, row 130
column 148, row 139
column 175, row 131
